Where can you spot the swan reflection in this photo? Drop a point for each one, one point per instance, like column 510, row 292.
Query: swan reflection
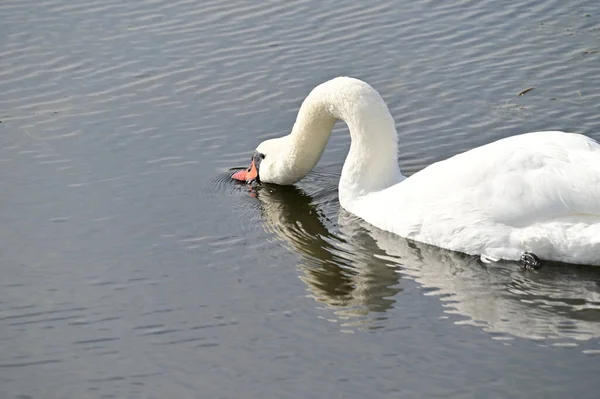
column 346, row 276
column 358, row 271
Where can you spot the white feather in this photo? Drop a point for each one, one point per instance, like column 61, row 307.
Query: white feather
column 536, row 192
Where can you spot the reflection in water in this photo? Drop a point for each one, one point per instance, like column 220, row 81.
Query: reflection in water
column 345, row 275
column 357, row 272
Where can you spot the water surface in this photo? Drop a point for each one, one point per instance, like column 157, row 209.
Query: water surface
column 132, row 267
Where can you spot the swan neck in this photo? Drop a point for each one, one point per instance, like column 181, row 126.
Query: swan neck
column 372, row 163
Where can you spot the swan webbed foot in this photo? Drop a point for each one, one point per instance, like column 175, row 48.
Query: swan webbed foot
column 530, row 261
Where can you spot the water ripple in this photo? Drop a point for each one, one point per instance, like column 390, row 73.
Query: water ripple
column 123, row 234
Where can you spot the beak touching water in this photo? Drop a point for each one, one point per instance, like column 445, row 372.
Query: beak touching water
column 247, row 174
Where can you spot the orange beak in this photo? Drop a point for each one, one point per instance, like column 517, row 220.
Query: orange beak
column 247, row 174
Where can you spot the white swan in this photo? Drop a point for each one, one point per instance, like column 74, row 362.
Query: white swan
column 534, row 193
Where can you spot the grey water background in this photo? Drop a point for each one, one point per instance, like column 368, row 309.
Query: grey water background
column 131, row 267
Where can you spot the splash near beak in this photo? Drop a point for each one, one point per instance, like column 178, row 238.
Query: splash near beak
column 246, row 175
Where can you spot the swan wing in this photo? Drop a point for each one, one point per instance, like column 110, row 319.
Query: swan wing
column 517, row 181
column 522, row 180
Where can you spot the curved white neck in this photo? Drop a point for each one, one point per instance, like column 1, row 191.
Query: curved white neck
column 372, row 163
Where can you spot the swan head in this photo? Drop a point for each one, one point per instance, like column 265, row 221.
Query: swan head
column 271, row 163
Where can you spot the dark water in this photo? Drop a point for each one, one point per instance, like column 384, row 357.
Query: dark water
column 133, row 268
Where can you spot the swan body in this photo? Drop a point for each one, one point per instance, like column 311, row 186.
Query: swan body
column 536, row 192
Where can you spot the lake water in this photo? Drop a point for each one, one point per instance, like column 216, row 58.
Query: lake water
column 132, row 267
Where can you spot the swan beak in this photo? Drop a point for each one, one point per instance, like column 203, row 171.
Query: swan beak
column 247, row 174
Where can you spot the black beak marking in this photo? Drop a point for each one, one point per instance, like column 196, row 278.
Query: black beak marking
column 257, row 158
